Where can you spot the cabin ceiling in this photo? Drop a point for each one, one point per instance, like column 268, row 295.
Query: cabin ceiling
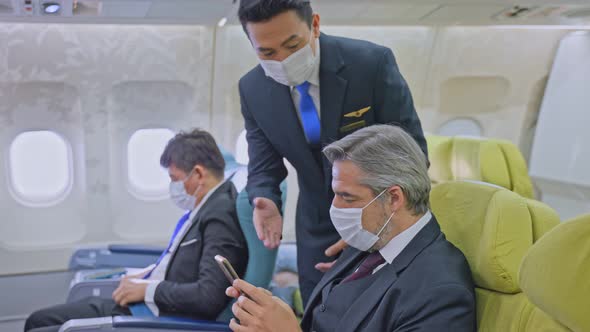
column 333, row 12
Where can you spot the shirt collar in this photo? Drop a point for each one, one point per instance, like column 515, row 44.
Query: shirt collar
column 202, row 202
column 396, row 245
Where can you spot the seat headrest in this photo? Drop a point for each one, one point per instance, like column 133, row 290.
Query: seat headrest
column 491, row 160
column 228, row 157
column 517, row 167
column 544, row 218
column 492, row 226
column 555, row 273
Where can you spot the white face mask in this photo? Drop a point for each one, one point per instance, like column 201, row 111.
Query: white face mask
column 180, row 197
column 348, row 223
column 295, row 69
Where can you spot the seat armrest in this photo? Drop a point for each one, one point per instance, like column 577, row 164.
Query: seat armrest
column 115, row 255
column 87, row 324
column 169, row 323
column 135, row 249
column 102, row 288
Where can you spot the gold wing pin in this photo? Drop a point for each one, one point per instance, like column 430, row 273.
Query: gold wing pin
column 357, row 114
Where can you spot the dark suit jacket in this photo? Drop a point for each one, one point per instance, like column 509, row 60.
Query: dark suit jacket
column 354, row 75
column 195, row 285
column 428, row 287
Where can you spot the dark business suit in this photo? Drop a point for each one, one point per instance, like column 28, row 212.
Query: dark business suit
column 194, row 285
column 354, row 75
column 428, row 287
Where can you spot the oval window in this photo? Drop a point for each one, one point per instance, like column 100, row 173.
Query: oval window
column 461, row 127
column 40, row 167
column 147, row 178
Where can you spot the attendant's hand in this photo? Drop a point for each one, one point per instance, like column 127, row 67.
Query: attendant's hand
column 332, row 251
column 129, row 291
column 268, row 222
column 258, row 311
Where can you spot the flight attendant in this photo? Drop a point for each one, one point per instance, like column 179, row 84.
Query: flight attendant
column 310, row 89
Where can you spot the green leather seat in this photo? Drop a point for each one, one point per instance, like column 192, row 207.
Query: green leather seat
column 494, row 228
column 555, row 273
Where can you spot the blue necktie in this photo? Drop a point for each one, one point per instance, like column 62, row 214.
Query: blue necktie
column 141, row 309
column 179, row 225
column 309, row 115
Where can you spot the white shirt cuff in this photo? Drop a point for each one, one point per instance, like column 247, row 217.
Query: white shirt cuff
column 150, row 292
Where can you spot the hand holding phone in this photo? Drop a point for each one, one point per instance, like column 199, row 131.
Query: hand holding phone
column 227, row 269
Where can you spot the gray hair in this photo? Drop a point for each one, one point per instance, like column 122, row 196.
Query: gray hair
column 188, row 149
column 388, row 156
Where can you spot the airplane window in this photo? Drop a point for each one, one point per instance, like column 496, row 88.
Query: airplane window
column 147, row 179
column 40, row 167
column 461, row 126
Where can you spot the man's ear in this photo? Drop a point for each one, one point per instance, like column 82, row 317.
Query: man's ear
column 396, row 197
column 200, row 171
column 315, row 25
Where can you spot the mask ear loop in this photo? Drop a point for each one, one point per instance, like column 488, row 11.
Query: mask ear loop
column 384, row 225
column 188, row 177
column 317, row 44
column 374, row 199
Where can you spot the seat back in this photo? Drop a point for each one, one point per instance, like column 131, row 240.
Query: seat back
column 555, row 273
column 494, row 161
column 494, row 228
column 261, row 261
column 231, row 166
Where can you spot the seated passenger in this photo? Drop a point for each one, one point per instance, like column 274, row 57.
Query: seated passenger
column 186, row 280
column 399, row 273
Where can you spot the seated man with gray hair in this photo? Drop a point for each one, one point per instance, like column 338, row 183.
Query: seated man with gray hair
column 399, row 273
column 185, row 281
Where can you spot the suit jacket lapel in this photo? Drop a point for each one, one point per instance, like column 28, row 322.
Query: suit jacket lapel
column 349, row 257
column 370, row 298
column 332, row 93
column 421, row 241
column 282, row 103
column 332, row 88
column 195, row 221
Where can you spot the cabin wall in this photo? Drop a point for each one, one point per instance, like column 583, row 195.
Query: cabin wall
column 94, row 85
column 112, row 80
column 493, row 76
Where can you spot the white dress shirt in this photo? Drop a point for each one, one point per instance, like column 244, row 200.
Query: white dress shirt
column 159, row 272
column 314, row 86
column 396, row 245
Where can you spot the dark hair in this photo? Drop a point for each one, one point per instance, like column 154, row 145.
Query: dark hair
column 263, row 10
column 188, row 149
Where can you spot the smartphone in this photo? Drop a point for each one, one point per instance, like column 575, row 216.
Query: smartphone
column 227, row 269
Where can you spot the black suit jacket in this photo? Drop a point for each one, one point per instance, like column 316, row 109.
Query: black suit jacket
column 194, row 285
column 360, row 85
column 428, row 287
